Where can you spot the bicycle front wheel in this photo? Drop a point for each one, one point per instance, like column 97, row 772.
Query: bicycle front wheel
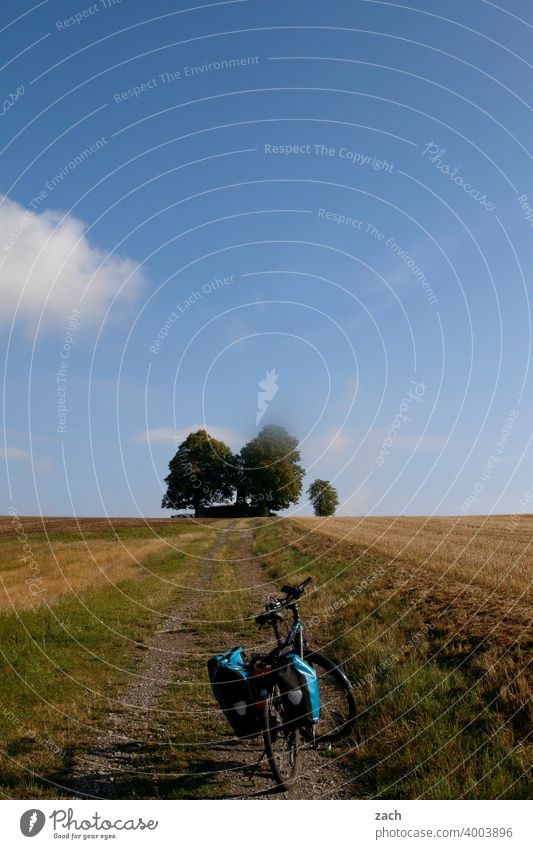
column 337, row 701
column 282, row 742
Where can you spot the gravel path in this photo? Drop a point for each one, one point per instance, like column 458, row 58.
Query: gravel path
column 117, row 762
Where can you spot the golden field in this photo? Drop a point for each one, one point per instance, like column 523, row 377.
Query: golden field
column 495, row 552
column 429, row 616
column 43, row 560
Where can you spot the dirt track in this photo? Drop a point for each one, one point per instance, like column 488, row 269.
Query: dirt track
column 117, row 761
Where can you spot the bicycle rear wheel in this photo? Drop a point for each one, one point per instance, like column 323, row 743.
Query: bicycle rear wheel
column 337, row 701
column 282, row 743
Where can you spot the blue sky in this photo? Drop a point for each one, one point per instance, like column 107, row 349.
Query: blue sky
column 193, row 195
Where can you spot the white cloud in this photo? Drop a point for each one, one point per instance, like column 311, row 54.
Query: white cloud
column 173, row 436
column 333, row 443
column 359, row 502
column 14, row 454
column 47, row 254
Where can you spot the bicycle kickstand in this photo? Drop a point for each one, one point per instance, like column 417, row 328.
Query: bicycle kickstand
column 251, row 770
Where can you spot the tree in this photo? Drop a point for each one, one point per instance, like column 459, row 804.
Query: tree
column 201, row 473
column 271, row 470
column 324, row 497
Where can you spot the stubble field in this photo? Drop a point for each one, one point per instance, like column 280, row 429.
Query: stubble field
column 431, row 619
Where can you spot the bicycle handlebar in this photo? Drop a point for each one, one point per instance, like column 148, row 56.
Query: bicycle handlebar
column 296, row 592
column 271, row 616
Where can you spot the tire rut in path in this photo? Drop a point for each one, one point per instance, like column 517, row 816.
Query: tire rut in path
column 122, row 750
column 102, row 770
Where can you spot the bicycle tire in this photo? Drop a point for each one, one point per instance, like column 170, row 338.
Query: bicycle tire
column 338, row 708
column 284, row 765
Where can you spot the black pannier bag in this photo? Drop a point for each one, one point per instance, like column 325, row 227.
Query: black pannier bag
column 298, row 683
column 234, row 691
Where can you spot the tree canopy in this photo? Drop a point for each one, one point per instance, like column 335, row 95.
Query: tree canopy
column 324, row 497
column 265, row 476
column 200, row 473
column 272, row 474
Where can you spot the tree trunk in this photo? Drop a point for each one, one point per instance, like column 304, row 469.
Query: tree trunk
column 196, row 501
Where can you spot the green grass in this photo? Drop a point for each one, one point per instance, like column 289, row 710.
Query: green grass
column 61, row 670
column 437, row 718
column 126, row 532
column 433, row 719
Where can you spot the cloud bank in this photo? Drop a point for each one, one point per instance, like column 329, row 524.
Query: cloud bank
column 173, row 436
column 45, row 257
column 14, row 454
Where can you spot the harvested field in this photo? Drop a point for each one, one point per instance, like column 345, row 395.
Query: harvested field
column 440, row 654
column 81, row 525
column 495, row 552
column 438, row 649
column 36, row 569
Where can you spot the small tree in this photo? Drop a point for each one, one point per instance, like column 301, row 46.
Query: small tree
column 271, row 471
column 324, row 497
column 200, row 473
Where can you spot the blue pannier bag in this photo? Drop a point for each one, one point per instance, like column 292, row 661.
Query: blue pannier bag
column 234, row 691
column 298, row 683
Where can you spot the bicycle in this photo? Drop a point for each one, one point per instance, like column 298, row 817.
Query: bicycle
column 282, row 739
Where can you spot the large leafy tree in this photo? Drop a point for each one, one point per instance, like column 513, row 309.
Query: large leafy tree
column 324, row 497
column 200, row 473
column 271, row 471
